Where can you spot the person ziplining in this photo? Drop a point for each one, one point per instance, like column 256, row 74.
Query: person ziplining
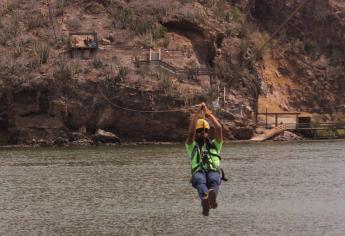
column 204, row 156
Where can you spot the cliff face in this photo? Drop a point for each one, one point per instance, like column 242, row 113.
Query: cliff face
column 307, row 58
column 47, row 94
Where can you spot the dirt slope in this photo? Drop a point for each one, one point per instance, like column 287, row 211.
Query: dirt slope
column 48, row 95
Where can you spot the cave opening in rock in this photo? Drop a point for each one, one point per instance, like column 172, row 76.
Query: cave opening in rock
column 203, row 45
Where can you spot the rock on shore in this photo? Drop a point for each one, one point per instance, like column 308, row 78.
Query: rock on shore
column 287, row 136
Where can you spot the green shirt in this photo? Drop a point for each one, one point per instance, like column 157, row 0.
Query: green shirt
column 195, row 154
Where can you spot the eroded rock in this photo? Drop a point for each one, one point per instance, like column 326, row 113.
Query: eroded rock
column 105, row 137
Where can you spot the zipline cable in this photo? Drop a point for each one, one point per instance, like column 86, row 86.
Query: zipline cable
column 144, row 111
column 283, row 24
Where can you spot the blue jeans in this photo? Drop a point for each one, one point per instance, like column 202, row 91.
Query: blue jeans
column 203, row 181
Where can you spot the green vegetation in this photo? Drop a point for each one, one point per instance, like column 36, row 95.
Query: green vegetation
column 235, row 13
column 127, row 18
column 4, row 139
column 310, row 47
column 261, row 47
column 244, row 46
column 159, row 31
column 112, row 77
column 97, row 63
column 122, row 74
column 329, row 133
column 93, row 8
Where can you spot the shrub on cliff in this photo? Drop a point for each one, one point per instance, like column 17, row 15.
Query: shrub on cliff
column 42, row 51
column 62, row 72
column 37, row 20
column 123, row 73
column 127, row 18
column 159, row 31
column 94, row 8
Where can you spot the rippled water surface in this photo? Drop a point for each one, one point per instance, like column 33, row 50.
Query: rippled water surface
column 274, row 189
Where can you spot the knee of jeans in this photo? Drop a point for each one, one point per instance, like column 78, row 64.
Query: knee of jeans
column 198, row 179
column 214, row 179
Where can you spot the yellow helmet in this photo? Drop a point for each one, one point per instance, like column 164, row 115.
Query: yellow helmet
column 202, row 124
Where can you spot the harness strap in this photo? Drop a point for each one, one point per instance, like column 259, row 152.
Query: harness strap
column 223, row 175
column 197, row 151
column 216, row 155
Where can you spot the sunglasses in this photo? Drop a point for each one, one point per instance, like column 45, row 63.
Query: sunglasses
column 200, row 130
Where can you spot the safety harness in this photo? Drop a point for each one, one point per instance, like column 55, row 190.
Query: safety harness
column 204, row 159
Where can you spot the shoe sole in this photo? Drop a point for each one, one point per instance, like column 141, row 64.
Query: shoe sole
column 212, row 197
column 205, row 206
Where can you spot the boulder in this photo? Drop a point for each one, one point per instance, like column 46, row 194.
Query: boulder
column 60, row 141
column 83, row 142
column 243, row 133
column 287, row 136
column 105, row 137
column 105, row 41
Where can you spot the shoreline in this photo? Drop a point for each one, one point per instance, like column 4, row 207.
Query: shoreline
column 159, row 143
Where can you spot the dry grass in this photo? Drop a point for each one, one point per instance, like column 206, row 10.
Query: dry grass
column 42, row 51
column 10, row 31
column 37, row 20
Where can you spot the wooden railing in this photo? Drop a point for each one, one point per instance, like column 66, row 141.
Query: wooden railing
column 178, row 71
column 306, row 126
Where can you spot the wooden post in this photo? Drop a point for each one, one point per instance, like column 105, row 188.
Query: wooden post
column 276, row 116
column 224, row 96
column 266, row 118
column 218, row 93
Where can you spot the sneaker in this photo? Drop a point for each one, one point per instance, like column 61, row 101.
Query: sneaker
column 212, row 198
column 205, row 206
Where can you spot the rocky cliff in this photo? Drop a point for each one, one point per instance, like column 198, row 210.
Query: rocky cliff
column 53, row 94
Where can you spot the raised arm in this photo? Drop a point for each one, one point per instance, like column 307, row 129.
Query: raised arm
column 192, row 125
column 216, row 124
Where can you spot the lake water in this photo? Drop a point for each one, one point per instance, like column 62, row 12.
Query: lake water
column 274, row 189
